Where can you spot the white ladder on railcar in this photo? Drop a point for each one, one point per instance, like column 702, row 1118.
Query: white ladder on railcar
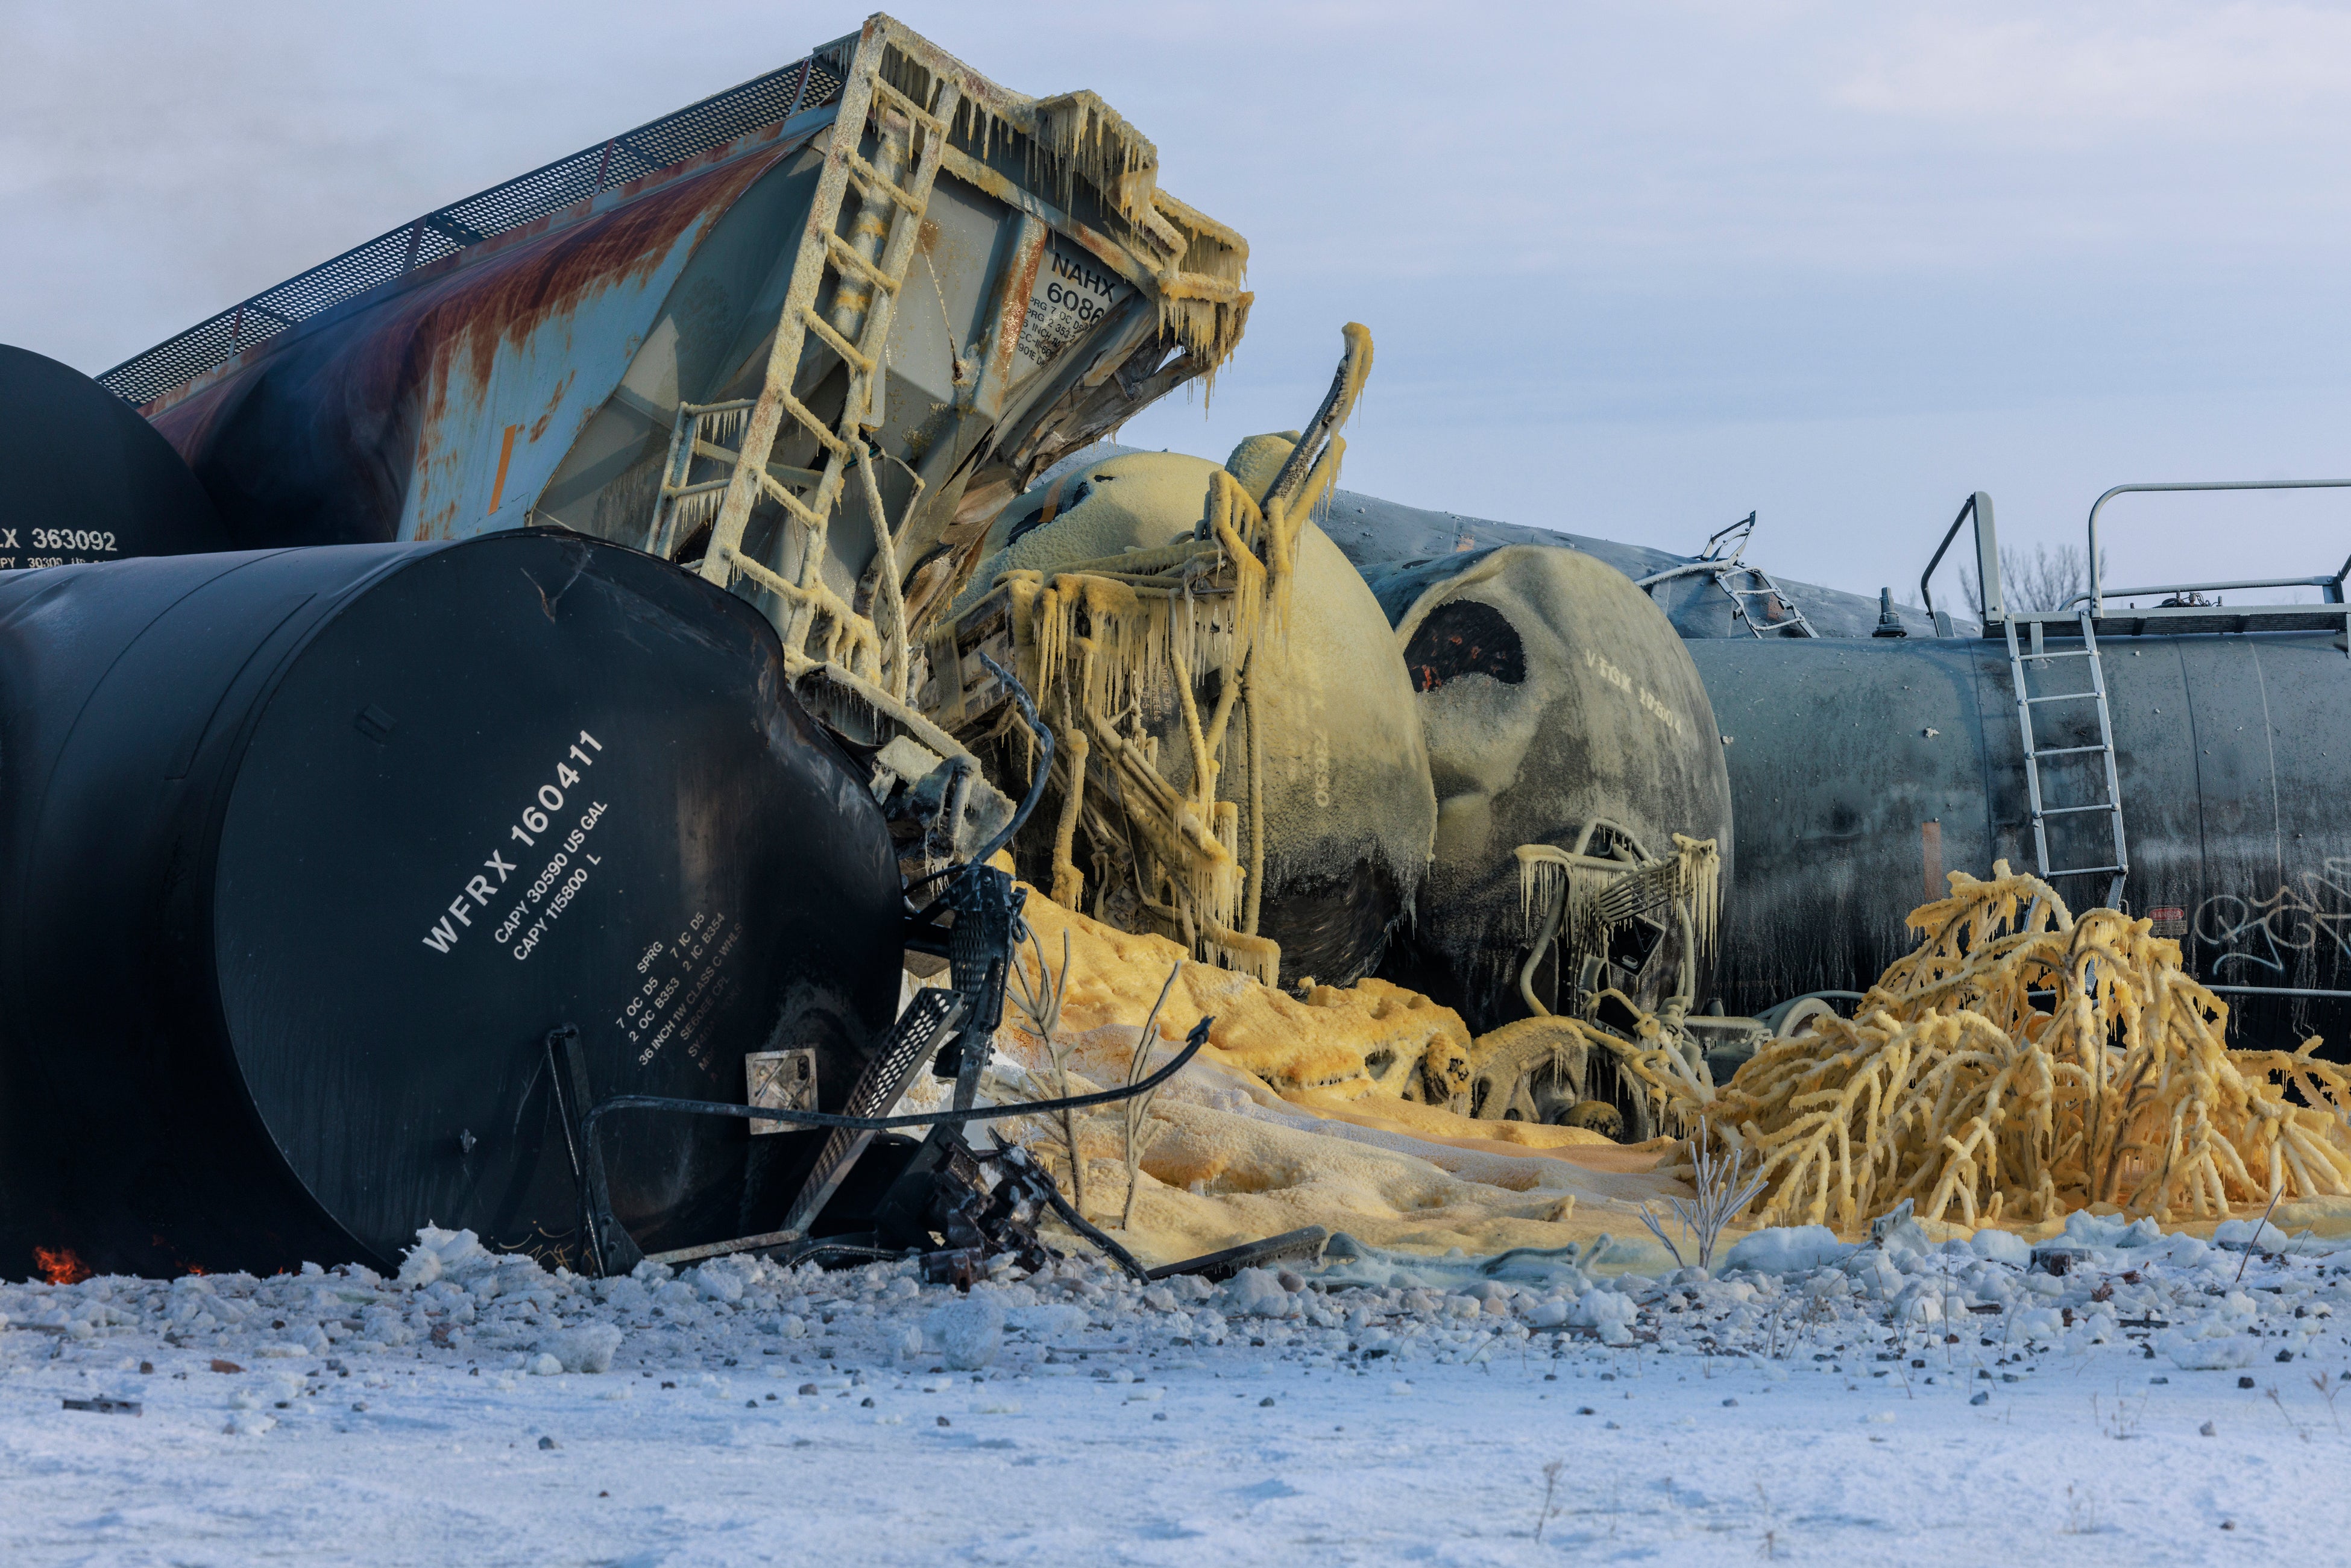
column 869, row 264
column 2112, row 805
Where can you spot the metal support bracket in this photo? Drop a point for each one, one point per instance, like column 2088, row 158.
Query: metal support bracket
column 987, row 907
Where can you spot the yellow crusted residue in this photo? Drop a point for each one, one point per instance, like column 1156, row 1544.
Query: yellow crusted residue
column 1366, row 1106
column 1104, row 640
column 2020, row 1063
column 1337, row 1035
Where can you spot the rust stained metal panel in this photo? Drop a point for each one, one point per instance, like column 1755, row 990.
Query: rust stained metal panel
column 389, row 418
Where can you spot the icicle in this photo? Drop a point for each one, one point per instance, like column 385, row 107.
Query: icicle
column 1089, row 140
column 1699, row 864
column 1542, row 883
column 724, row 428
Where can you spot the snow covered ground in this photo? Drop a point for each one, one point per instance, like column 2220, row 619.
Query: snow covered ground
column 1817, row 1403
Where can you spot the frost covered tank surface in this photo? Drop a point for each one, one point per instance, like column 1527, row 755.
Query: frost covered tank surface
column 1560, row 709
column 308, row 851
column 1333, row 750
column 1863, row 772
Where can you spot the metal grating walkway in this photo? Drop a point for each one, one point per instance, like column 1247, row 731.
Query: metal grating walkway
column 658, row 144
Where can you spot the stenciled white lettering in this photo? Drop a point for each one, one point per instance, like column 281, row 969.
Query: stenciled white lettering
column 441, row 937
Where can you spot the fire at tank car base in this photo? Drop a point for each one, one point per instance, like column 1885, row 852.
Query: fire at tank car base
column 656, row 899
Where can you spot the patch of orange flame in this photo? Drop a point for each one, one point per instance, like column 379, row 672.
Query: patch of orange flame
column 60, row 1266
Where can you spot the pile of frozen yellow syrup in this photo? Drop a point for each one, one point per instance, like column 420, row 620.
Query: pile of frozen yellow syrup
column 1289, row 1117
column 1952, row 1089
column 2020, row 1065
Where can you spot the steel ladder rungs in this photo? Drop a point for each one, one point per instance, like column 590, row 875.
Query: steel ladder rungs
column 1770, row 589
column 2088, row 870
column 2072, row 810
column 2063, row 698
column 2065, row 751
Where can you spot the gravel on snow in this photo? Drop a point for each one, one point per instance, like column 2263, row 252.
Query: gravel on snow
column 2113, row 1394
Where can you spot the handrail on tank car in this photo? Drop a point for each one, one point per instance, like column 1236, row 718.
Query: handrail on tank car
column 1995, row 608
column 2332, row 586
column 1710, row 559
column 2096, row 595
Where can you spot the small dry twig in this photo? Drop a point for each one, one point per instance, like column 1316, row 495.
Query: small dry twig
column 2254, row 1240
column 1134, row 1110
column 2298, row 1429
column 2327, row 1389
column 1041, row 1002
column 1551, row 1485
column 1721, row 1194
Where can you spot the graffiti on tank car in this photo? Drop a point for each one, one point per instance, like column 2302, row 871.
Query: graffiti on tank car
column 2262, row 935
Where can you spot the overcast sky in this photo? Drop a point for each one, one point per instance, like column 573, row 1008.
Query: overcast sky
column 1633, row 269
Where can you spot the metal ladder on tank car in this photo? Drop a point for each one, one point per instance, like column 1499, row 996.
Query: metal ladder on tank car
column 1728, row 567
column 2112, row 805
column 869, row 266
column 1770, row 590
column 1722, row 569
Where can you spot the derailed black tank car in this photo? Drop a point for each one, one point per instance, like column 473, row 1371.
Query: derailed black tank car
column 307, row 851
column 83, row 478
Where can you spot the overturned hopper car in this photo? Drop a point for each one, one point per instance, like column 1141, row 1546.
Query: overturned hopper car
column 308, row 938
column 806, row 336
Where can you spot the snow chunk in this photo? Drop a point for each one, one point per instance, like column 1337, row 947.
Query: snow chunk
column 1921, row 1301
column 1256, row 1293
column 2044, row 1323
column 588, row 1347
column 2192, row 1352
column 437, row 1252
column 2238, row 1235
column 543, row 1365
column 1609, row 1311
column 1056, row 1320
column 967, row 1333
column 723, row 1279
column 2184, row 1251
column 2000, row 1247
column 2083, row 1228
column 1786, row 1249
